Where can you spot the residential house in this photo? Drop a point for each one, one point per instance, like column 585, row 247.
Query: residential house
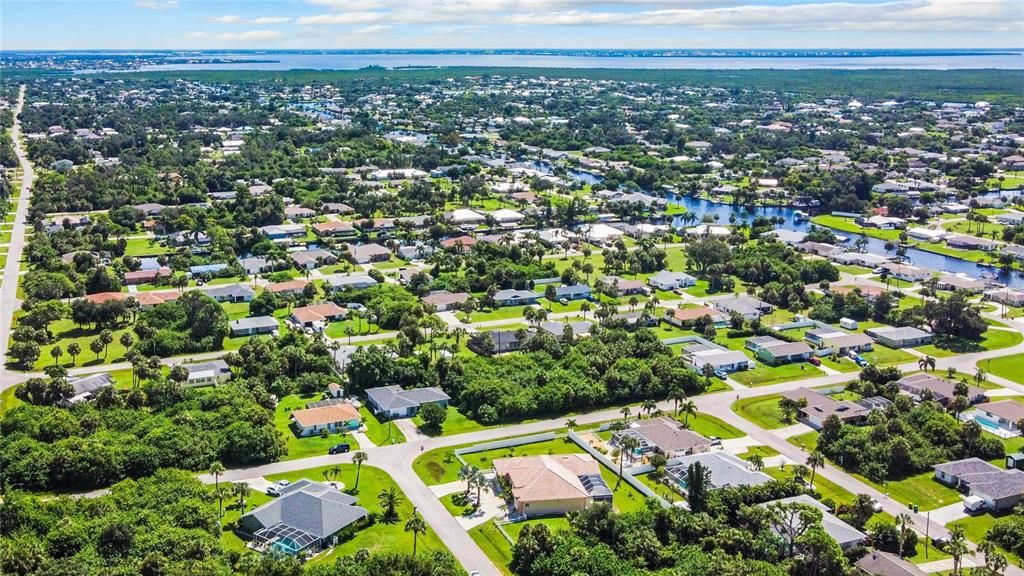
column 466, row 217
column 236, row 293
column 966, row 242
column 900, row 336
column 845, row 535
column 333, row 415
column 298, row 212
column 774, row 352
column 1000, row 490
column 311, row 259
column 306, row 517
column 209, row 269
column 1007, row 296
column 704, row 353
column 254, row 325
column 819, row 407
column 146, row 276
column 84, row 388
column 348, row 281
column 336, row 208
column 879, row 563
column 394, row 402
column 838, row 341
column 574, row 292
column 283, row 231
column 664, row 436
column 317, row 314
column 334, row 228
column 686, row 317
column 941, row 390
column 254, row 265
column 818, row 248
column 291, row 287
column 748, row 307
column 443, row 300
column 552, row 485
column 725, row 470
column 905, row 272
column 367, row 253
column 557, row 329
column 625, row 287
column 665, row 280
column 207, row 373
column 501, row 341
column 514, row 297
column 506, row 217
column 459, row 243
column 1003, row 417
column 866, row 259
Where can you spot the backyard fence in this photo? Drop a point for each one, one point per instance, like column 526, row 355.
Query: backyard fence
column 626, row 477
column 507, row 443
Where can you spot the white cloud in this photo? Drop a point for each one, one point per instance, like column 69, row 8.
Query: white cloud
column 236, row 19
column 156, row 4
column 817, row 15
column 375, row 29
column 249, row 36
column 197, row 35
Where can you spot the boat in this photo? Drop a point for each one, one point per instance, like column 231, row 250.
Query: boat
column 800, row 216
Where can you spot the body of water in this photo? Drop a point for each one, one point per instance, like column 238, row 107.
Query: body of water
column 921, row 258
column 354, row 61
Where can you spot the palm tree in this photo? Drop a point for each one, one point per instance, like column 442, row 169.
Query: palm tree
column 417, row 526
column 980, row 376
column 479, row 480
column 757, row 462
column 358, row 458
column 334, row 471
column 688, row 408
column 74, row 349
column 799, row 472
column 995, row 562
column 216, row 469
column 570, row 423
column 242, row 491
column 466, row 473
column 389, row 499
column 56, row 352
column 625, row 413
column 649, row 406
column 815, row 460
column 957, row 547
column 626, row 443
column 925, row 363
column 903, row 520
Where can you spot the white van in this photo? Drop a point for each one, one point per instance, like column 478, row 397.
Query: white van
column 973, row 504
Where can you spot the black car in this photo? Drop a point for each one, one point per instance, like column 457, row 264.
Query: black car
column 339, row 449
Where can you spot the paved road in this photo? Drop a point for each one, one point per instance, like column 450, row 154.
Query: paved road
column 9, row 289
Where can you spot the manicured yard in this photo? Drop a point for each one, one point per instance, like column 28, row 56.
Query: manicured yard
column 848, row 225
column 708, row 425
column 66, row 332
column 312, row 445
column 761, row 410
column 455, row 423
column 828, row 489
column 762, row 451
column 380, row 433
column 140, row 246
column 503, row 313
column 1008, row 367
column 993, row 339
column 807, row 441
column 976, row 527
column 765, row 375
column 381, row 536
column 882, row 356
column 440, row 465
column 920, row 489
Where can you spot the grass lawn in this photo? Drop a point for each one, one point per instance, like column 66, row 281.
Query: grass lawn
column 1006, row 367
column 920, row 489
column 976, row 527
column 382, row 536
column 806, row 441
column 708, row 425
column 991, row 340
column 848, row 225
column 822, row 485
column 440, row 465
column 762, row 451
column 493, row 544
column 761, row 410
column 141, row 246
column 380, row 433
column 882, row 356
column 503, row 313
column 309, row 446
column 765, row 375
column 455, row 423
column 854, row 270
column 66, row 332
column 554, row 524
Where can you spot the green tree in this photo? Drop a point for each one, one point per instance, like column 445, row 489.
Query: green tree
column 389, row 499
column 698, row 480
column 417, row 526
column 358, row 458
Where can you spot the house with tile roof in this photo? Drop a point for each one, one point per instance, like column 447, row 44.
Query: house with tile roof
column 552, row 485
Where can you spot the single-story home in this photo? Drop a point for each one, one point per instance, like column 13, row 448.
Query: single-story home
column 334, row 228
column 838, row 341
column 207, row 373
column 310, row 259
column 748, row 307
column 1004, row 416
column 686, row 317
column 552, row 485
column 253, row 325
column 625, row 287
column 557, row 329
column 144, row 276
column 394, row 402
column 307, row 316
column 702, row 354
column 306, row 516
column 574, row 292
column 664, row 436
column 331, row 415
column 444, row 300
column 942, row 390
column 231, row 293
column 725, row 470
column 666, row 280
column 845, row 535
column 291, row 287
column 999, row 489
column 900, row 336
column 368, row 253
column 502, row 341
column 879, row 563
column 774, row 351
column 85, row 387
column 348, row 281
column 513, row 297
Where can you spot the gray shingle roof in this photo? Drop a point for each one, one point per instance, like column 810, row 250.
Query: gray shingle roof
column 395, row 398
column 312, row 507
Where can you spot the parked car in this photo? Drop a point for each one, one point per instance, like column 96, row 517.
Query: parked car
column 563, row 301
column 339, row 448
column 721, row 374
column 814, row 361
column 876, row 506
column 715, row 440
column 275, row 488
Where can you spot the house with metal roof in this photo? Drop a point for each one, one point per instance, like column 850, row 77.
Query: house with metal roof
column 395, row 402
column 207, row 373
column 665, row 280
column 348, row 281
column 774, row 351
column 307, row 516
column 85, row 387
column 253, row 325
column 574, row 292
column 513, row 297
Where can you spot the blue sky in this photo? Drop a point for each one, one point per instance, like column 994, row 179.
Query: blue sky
column 112, row 24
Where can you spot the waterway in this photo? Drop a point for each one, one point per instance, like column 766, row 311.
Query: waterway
column 275, row 60
column 921, row 258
